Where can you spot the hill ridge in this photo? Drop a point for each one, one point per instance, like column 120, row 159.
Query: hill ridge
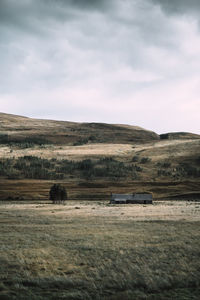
column 19, row 128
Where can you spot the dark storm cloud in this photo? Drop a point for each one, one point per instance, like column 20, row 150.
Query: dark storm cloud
column 93, row 4
column 25, row 11
column 117, row 61
column 179, row 6
column 34, row 16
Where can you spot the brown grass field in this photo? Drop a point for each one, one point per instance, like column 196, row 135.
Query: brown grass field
column 88, row 249
column 93, row 250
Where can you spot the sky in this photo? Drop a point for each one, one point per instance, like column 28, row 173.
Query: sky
column 131, row 62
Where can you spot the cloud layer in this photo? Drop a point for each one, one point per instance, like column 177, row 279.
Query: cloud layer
column 121, row 61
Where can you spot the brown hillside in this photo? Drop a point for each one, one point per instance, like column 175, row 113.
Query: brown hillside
column 94, row 159
column 17, row 128
column 179, row 136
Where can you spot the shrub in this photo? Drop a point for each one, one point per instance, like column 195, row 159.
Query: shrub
column 57, row 193
column 190, row 170
column 81, row 142
column 164, row 136
column 162, row 172
column 25, row 143
column 92, row 138
column 163, row 164
column 4, row 138
column 135, row 158
column 144, row 160
column 137, row 168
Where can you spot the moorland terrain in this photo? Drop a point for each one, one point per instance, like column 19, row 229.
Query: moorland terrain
column 94, row 159
column 88, row 249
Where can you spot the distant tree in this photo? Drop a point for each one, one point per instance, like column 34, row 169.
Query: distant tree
column 57, row 194
column 135, row 158
column 145, row 160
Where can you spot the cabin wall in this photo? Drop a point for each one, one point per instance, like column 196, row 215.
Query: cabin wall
column 131, row 201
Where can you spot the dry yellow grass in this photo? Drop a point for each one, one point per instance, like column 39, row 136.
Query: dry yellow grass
column 70, row 152
column 157, row 151
column 160, row 210
column 90, row 250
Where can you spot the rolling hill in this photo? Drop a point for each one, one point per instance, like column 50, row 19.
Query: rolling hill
column 94, row 159
column 18, row 129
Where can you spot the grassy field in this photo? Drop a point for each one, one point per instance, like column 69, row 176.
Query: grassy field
column 92, row 250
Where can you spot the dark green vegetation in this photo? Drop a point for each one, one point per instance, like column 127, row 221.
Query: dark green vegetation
column 27, row 142
column 181, row 170
column 178, row 135
column 57, row 193
column 32, row 167
column 99, row 252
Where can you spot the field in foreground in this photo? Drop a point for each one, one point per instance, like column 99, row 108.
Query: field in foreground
column 92, row 250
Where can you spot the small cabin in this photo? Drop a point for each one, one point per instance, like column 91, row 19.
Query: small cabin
column 137, row 198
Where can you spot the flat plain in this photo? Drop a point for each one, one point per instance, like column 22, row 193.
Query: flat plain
column 93, row 250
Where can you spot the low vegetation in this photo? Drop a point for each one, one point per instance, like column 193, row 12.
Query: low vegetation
column 33, row 167
column 178, row 171
column 90, row 139
column 27, row 142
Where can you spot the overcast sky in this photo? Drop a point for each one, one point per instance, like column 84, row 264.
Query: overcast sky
column 116, row 61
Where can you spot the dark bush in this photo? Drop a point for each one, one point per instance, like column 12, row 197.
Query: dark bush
column 191, row 170
column 164, row 136
column 135, row 158
column 85, row 164
column 164, row 164
column 137, row 168
column 81, row 142
column 25, row 143
column 106, row 159
column 57, row 194
column 4, row 138
column 92, row 138
column 164, row 173
column 145, row 160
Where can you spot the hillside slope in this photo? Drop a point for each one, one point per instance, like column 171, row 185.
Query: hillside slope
column 179, row 136
column 16, row 128
column 93, row 159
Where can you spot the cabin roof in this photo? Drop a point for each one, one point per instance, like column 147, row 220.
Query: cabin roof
column 121, row 196
column 142, row 197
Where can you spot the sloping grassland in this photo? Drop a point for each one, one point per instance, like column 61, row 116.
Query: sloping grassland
column 98, row 160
